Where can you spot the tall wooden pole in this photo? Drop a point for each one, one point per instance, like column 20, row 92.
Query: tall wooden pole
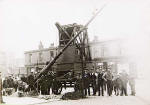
column 82, row 65
column 1, row 98
column 48, row 67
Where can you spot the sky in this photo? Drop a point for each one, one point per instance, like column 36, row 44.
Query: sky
column 24, row 23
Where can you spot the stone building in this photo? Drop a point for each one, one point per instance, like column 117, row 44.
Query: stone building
column 36, row 59
column 107, row 54
column 104, row 50
column 112, row 54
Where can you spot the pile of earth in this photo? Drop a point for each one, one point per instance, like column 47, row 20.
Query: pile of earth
column 72, row 96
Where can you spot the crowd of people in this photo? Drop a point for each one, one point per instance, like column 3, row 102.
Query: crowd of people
column 11, row 84
column 106, row 81
column 100, row 83
column 27, row 84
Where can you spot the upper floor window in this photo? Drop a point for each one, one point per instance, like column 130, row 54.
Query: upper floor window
column 30, row 58
column 52, row 54
column 40, row 56
column 103, row 51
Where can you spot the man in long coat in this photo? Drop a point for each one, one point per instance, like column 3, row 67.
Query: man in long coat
column 124, row 79
column 108, row 78
column 31, row 81
column 101, row 83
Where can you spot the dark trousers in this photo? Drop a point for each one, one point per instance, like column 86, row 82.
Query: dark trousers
column 101, row 88
column 16, row 86
column 31, row 88
column 104, row 85
column 43, row 92
column 109, row 87
column 87, row 90
column 65, row 86
column 48, row 91
column 116, row 89
column 1, row 98
column 94, row 88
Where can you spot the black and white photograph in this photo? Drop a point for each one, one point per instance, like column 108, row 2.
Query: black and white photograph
column 75, row 52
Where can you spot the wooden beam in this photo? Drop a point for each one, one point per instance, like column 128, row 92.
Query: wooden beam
column 60, row 27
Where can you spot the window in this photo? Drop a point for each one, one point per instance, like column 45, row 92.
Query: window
column 52, row 54
column 30, row 58
column 40, row 56
column 103, row 51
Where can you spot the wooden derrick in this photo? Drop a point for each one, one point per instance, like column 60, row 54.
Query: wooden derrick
column 71, row 58
column 78, row 37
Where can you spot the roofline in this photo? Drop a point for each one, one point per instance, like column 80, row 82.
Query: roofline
column 92, row 42
column 39, row 50
column 105, row 41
